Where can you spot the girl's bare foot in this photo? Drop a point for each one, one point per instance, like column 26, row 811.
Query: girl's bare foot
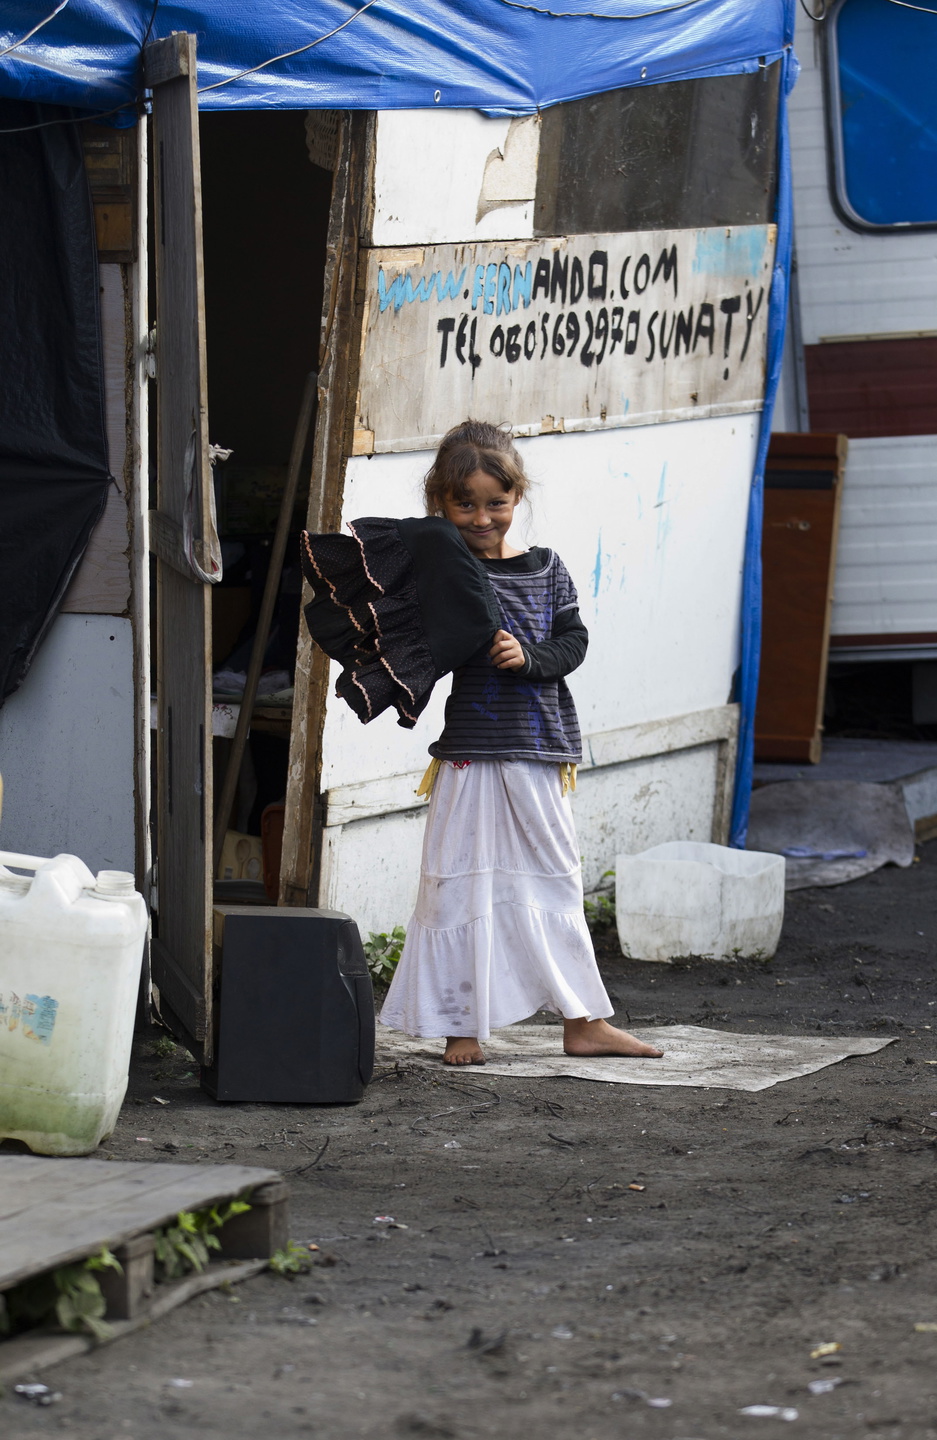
column 462, row 1050
column 597, row 1037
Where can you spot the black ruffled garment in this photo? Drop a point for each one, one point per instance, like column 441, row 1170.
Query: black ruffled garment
column 399, row 604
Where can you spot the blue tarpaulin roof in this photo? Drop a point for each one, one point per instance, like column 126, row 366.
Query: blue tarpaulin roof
column 501, row 56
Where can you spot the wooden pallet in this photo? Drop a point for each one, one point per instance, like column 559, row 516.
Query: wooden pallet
column 57, row 1212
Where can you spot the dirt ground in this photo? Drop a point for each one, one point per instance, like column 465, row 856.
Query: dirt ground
column 532, row 1288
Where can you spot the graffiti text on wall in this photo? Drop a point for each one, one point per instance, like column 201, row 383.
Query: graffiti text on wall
column 578, row 333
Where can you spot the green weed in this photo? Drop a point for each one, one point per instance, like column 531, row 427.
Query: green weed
column 600, row 908
column 382, row 953
column 294, row 1259
column 187, row 1244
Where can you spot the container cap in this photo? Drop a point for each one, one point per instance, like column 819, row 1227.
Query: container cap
column 113, row 885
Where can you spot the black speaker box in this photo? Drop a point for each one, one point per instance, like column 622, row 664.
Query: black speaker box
column 294, row 1007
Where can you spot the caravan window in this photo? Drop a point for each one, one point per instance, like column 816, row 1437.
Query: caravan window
column 884, row 112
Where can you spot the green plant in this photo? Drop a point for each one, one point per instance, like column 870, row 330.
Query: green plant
column 382, row 953
column 163, row 1048
column 600, row 908
column 294, row 1259
column 187, row 1244
column 71, row 1296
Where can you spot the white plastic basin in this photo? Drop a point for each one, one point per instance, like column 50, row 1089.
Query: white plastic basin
column 688, row 898
column 71, row 947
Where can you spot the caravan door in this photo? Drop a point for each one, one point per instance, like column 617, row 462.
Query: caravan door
column 183, row 537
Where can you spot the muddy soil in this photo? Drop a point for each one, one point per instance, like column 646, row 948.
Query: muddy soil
column 532, row 1288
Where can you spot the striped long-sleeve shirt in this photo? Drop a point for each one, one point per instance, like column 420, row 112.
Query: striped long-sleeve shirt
column 523, row 714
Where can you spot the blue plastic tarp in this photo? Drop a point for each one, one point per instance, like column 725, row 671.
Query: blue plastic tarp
column 499, row 56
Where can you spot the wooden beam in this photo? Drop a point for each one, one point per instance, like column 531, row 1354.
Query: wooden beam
column 339, row 358
column 169, row 59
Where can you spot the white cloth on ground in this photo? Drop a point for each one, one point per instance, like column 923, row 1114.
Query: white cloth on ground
column 498, row 932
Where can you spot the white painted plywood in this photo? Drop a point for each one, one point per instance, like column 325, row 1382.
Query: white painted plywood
column 851, row 283
column 651, row 524
column 66, row 746
column 886, row 576
column 579, row 333
column 449, row 175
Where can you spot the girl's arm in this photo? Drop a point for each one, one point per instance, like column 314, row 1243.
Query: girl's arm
column 561, row 654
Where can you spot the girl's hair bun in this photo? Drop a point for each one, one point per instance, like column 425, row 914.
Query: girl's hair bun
column 473, row 445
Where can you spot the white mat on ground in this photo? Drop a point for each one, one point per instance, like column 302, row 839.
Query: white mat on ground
column 708, row 1059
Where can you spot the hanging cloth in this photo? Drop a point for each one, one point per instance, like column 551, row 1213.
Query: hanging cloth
column 399, row 604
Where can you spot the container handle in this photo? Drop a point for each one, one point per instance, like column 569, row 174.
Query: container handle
column 22, row 862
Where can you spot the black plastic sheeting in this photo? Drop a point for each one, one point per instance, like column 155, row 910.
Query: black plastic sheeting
column 53, row 451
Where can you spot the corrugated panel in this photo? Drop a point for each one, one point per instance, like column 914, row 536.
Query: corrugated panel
column 886, row 571
column 873, row 387
column 850, row 283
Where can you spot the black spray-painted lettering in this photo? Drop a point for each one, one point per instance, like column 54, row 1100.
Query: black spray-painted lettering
column 577, row 281
column 445, row 328
column 729, row 307
column 642, row 274
column 623, row 290
column 559, row 276
column 667, row 265
column 750, row 318
column 598, row 275
column 650, row 335
column 541, row 277
column 705, row 326
column 593, row 333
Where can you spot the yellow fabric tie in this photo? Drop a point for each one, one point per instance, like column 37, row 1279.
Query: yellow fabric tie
column 425, row 787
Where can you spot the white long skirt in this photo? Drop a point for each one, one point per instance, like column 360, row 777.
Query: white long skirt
column 498, row 931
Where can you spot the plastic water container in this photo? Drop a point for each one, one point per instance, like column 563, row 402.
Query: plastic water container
column 71, row 948
column 688, row 898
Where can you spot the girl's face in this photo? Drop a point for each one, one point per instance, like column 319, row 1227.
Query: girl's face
column 484, row 516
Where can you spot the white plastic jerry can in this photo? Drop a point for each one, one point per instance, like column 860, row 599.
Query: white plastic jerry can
column 71, row 948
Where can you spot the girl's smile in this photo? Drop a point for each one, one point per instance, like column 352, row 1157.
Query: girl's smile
column 484, row 516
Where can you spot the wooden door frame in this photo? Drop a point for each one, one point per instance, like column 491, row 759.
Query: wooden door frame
column 182, row 536
column 339, row 360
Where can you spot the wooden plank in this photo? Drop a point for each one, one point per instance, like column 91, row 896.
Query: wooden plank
column 37, row 1176
column 874, row 387
column 799, row 535
column 183, row 619
column 585, row 332
column 339, row 356
column 186, row 999
column 169, row 59
column 75, row 1221
column 166, row 542
column 38, row 1350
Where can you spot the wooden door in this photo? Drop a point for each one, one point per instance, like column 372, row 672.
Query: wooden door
column 183, row 537
column 803, row 486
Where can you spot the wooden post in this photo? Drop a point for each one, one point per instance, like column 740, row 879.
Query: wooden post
column 338, row 383
column 129, row 1290
column 263, row 1229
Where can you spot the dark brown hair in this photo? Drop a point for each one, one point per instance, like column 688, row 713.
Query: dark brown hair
column 473, row 445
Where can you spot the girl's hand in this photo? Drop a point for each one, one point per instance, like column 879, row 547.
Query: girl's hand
column 506, row 652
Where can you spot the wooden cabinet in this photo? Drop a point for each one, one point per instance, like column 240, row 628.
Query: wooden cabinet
column 803, row 486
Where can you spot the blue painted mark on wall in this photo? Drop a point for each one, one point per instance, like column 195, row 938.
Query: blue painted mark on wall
column 402, row 291
column 663, row 509
column 741, row 252
column 597, row 570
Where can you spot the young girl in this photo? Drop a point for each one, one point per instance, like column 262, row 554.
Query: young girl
column 498, row 931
